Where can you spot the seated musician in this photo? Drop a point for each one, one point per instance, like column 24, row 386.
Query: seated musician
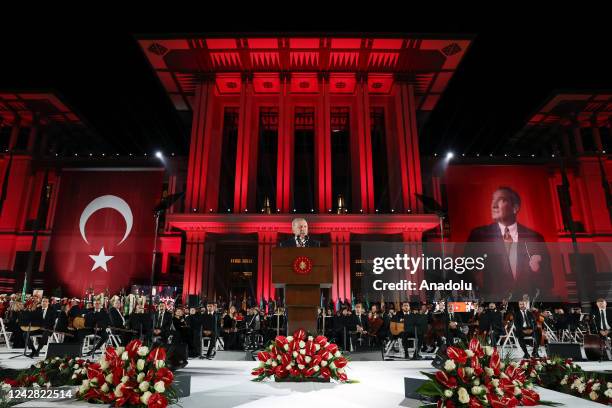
column 525, row 326
column 415, row 325
column 15, row 315
column 600, row 320
column 209, row 327
column 40, row 321
column 230, row 329
column 117, row 320
column 140, row 323
column 181, row 333
column 402, row 317
column 491, row 323
column 194, row 322
column 358, row 326
column 162, row 320
column 341, row 327
column 376, row 325
column 253, row 326
column 97, row 321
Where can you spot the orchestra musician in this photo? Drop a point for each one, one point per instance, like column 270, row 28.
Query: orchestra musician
column 140, row 322
column 118, row 321
column 601, row 322
column 209, row 327
column 97, row 321
column 491, row 323
column 525, row 326
column 162, row 319
column 357, row 325
column 42, row 318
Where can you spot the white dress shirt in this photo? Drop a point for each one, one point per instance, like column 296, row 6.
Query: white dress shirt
column 512, row 253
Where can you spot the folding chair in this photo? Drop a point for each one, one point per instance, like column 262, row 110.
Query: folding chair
column 4, row 335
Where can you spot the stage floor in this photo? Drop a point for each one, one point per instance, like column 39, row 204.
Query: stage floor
column 218, row 384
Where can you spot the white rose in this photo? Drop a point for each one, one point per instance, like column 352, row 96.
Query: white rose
column 488, row 350
column 302, row 344
column 533, row 374
column 286, row 347
column 341, row 371
column 301, row 366
column 85, row 383
column 468, row 371
column 104, row 388
column 82, row 389
column 124, row 379
column 489, row 372
column 564, row 380
column 323, row 363
column 140, row 364
column 303, row 352
column 109, row 378
column 288, row 367
column 476, row 381
column 448, row 393
column 160, row 386
column 593, row 395
column 449, row 365
column 279, row 358
column 495, row 382
column 160, row 364
column 310, row 338
column 503, row 375
column 274, row 364
column 144, row 386
column 38, row 365
column 469, row 353
column 596, row 387
column 103, row 364
column 529, row 386
column 476, row 390
column 332, row 365
column 124, row 356
column 120, row 350
column 581, row 388
column 338, row 354
column 76, row 366
column 317, row 347
column 316, row 368
column 295, row 354
column 145, row 397
column 608, row 393
column 464, row 397
column 118, row 392
column 517, row 391
column 609, row 385
column 143, row 351
column 73, row 376
column 289, row 338
column 308, row 359
column 6, row 387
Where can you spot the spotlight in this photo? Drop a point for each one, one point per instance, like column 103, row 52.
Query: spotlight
column 449, row 155
column 533, row 155
column 294, row 210
column 392, row 210
column 229, row 210
column 210, row 210
column 103, row 154
column 477, row 154
column 195, row 209
column 158, row 154
column 312, row 210
column 90, row 154
column 361, row 210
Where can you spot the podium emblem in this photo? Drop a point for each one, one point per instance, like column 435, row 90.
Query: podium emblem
column 302, row 265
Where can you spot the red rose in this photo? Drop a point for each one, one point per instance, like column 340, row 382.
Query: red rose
column 157, row 400
column 257, row 371
column 132, row 348
column 530, row 398
column 445, row 380
column 165, row 375
column 476, row 348
column 294, row 372
column 281, row 341
column 456, row 354
column 316, row 360
column 263, row 356
column 117, row 375
column 474, row 403
column 309, row 372
column 325, row 373
column 310, row 348
column 301, row 359
column 326, row 355
column 299, row 334
column 280, row 372
column 342, row 377
column 340, row 362
column 332, row 348
column 158, row 353
column 321, row 340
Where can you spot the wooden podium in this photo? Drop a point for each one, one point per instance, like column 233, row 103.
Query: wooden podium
column 302, row 272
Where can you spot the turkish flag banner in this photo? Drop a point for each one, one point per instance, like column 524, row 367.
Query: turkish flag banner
column 103, row 229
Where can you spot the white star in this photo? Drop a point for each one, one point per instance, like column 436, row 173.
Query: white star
column 100, row 260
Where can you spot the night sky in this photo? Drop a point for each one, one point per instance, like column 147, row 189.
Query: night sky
column 504, row 78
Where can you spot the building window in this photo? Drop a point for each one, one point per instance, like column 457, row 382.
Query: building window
column 227, row 175
column 267, row 157
column 304, row 161
column 380, row 159
column 341, row 157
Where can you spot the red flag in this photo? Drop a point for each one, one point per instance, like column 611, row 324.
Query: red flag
column 103, row 229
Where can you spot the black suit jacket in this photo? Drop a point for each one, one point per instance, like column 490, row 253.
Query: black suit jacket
column 355, row 320
column 115, row 318
column 496, row 280
column 48, row 321
column 518, row 320
column 209, row 322
column 597, row 321
column 290, row 243
column 97, row 319
column 162, row 323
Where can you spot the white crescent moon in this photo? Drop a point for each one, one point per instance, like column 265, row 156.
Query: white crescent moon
column 107, row 201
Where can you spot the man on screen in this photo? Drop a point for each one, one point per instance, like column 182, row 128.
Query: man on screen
column 517, row 259
column 300, row 238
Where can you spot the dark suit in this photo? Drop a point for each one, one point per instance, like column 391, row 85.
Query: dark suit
column 98, row 322
column 210, row 322
column 491, row 321
column 598, row 321
column 45, row 320
column 521, row 324
column 496, row 280
column 162, row 322
column 290, row 243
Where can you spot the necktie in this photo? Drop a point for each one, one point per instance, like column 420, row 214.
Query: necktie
column 44, row 313
column 159, row 320
column 507, row 239
column 524, row 319
column 604, row 321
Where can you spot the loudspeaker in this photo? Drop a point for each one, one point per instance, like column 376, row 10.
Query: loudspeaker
column 411, row 385
column 182, row 384
column 193, row 301
column 176, row 356
column 564, row 350
column 63, row 350
column 233, row 356
column 370, row 355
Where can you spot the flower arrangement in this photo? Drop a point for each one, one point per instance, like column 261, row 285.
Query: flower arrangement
column 476, row 377
column 301, row 357
column 565, row 376
column 133, row 376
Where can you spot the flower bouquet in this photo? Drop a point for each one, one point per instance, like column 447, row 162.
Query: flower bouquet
column 133, row 376
column 299, row 358
column 476, row 377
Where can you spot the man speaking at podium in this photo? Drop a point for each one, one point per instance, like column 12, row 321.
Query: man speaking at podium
column 300, row 238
